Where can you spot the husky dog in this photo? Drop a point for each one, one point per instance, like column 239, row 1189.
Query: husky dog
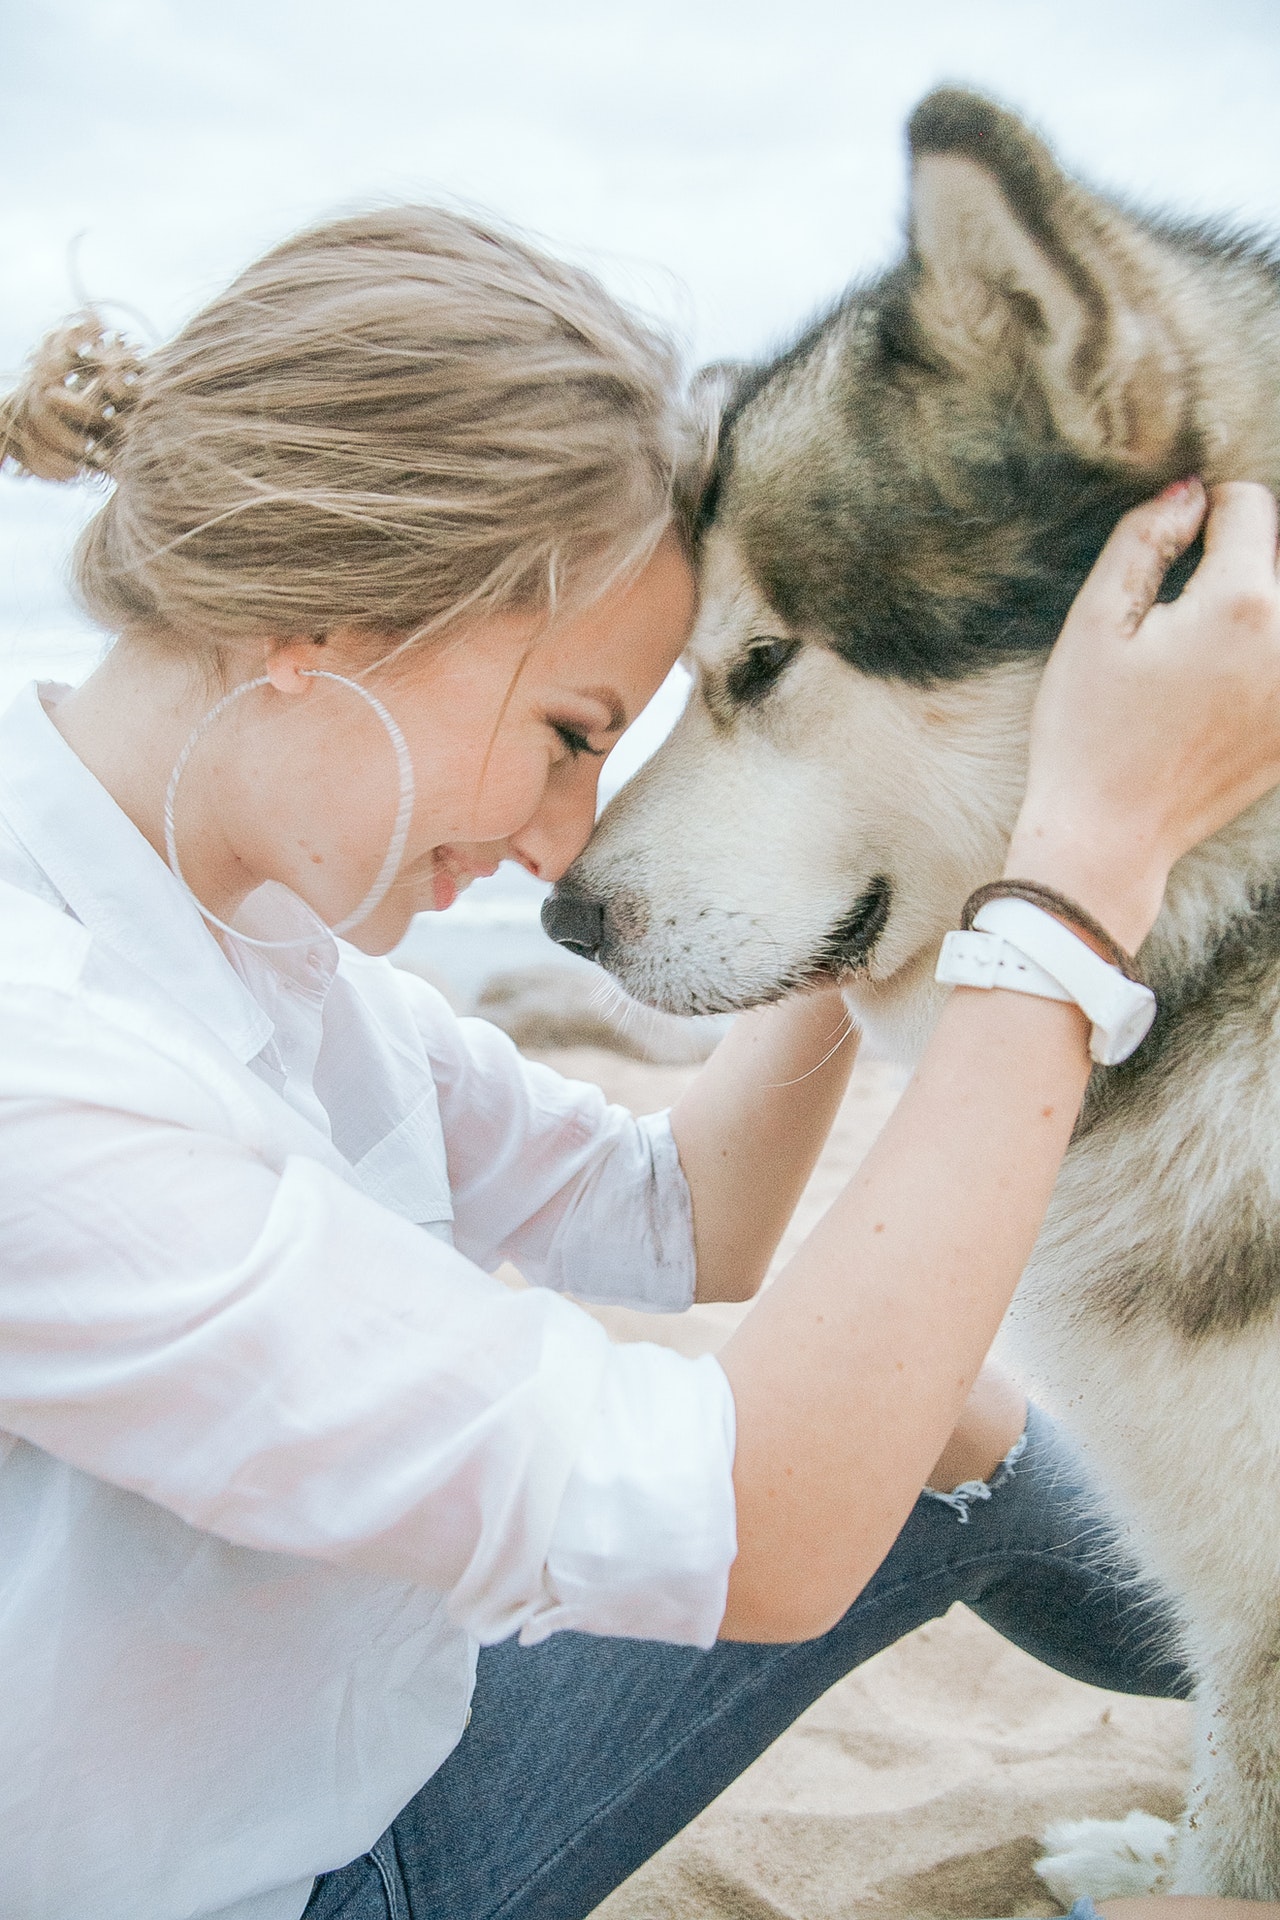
column 901, row 510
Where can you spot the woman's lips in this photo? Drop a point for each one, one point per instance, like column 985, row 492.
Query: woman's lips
column 451, row 877
column 444, row 885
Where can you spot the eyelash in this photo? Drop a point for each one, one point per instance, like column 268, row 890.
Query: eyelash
column 576, row 742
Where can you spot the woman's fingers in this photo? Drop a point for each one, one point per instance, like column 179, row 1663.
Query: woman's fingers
column 1128, row 573
column 1155, row 725
column 1239, row 541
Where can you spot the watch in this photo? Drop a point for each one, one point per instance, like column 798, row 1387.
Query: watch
column 1021, row 947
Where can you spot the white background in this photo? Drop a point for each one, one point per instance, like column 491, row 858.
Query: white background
column 730, row 164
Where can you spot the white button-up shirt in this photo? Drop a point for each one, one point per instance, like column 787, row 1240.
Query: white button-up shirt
column 278, row 1451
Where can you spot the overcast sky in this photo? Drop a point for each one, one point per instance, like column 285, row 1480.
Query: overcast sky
column 729, row 163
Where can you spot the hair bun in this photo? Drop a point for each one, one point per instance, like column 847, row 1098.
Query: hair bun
column 67, row 414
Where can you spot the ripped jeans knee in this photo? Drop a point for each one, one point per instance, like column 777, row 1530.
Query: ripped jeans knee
column 962, row 1498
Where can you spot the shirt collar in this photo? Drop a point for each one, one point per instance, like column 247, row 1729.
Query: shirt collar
column 116, row 884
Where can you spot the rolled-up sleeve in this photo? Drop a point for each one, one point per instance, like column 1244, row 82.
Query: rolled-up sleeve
column 286, row 1364
column 644, row 1538
column 580, row 1195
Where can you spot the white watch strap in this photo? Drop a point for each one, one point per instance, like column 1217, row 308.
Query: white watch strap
column 984, row 960
column 1021, row 947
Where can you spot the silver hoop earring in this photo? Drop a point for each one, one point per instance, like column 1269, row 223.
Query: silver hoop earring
column 399, row 832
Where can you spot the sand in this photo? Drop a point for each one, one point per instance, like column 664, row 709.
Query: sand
column 920, row 1785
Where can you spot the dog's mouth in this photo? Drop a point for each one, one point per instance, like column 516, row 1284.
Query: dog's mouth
column 852, row 941
column 584, row 923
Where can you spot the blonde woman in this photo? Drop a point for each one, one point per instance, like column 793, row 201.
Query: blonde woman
column 392, row 557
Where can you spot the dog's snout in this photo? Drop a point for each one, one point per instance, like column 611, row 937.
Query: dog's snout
column 574, row 920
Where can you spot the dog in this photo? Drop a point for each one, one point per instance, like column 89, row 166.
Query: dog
column 900, row 509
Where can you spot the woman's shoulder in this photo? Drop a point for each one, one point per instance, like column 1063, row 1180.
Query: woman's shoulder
column 396, row 994
column 40, row 943
column 460, row 1051
column 81, row 1023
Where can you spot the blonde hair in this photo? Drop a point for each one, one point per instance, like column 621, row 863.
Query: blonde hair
column 387, row 423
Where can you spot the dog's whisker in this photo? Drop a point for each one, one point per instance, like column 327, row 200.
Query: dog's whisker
column 850, row 1026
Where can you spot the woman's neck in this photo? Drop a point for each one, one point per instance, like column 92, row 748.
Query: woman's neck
column 128, row 723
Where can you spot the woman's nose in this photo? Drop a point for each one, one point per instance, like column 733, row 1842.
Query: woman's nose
column 560, row 829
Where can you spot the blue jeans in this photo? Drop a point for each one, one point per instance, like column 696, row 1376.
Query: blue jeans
column 585, row 1755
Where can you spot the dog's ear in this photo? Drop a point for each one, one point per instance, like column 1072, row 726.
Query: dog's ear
column 1017, row 267
column 712, row 393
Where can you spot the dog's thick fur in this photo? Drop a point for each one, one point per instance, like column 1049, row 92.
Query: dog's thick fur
column 902, row 508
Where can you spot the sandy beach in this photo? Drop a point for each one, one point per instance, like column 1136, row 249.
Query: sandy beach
column 919, row 1787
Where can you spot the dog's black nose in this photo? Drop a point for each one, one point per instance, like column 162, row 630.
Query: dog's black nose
column 574, row 920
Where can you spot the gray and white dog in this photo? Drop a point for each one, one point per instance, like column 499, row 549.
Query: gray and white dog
column 901, row 509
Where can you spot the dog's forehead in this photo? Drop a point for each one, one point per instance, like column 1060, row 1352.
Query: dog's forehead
column 731, row 607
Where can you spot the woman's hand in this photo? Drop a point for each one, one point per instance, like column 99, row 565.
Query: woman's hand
column 1155, row 725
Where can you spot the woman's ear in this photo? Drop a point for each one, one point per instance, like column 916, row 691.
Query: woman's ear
column 286, row 663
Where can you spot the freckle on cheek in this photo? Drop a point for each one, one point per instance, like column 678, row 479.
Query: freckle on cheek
column 1046, row 1113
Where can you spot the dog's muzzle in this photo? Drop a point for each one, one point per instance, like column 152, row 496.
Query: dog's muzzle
column 574, row 920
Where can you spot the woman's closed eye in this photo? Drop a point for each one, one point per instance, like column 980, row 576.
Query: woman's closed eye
column 575, row 740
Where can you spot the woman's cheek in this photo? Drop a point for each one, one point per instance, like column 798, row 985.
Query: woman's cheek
column 487, row 796
column 510, row 796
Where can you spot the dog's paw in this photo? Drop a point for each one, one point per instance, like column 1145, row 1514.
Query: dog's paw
column 1107, row 1859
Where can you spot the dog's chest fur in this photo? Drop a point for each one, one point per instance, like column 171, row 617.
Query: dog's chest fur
column 1151, row 1307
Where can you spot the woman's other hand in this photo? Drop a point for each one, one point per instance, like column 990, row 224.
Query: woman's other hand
column 1156, row 724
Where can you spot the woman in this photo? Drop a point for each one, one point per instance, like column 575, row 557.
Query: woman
column 392, row 558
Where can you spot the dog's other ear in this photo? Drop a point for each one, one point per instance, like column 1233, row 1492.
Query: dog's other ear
column 1016, row 266
column 712, row 392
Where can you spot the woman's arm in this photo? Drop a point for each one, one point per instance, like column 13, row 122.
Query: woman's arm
column 750, row 1129
column 851, row 1372
column 1154, row 729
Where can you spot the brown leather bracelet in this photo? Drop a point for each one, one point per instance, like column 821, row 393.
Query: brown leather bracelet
column 1062, row 909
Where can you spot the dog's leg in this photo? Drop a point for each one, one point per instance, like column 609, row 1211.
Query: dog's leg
column 1230, row 1843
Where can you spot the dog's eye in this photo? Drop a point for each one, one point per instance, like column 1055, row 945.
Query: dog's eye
column 751, row 677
